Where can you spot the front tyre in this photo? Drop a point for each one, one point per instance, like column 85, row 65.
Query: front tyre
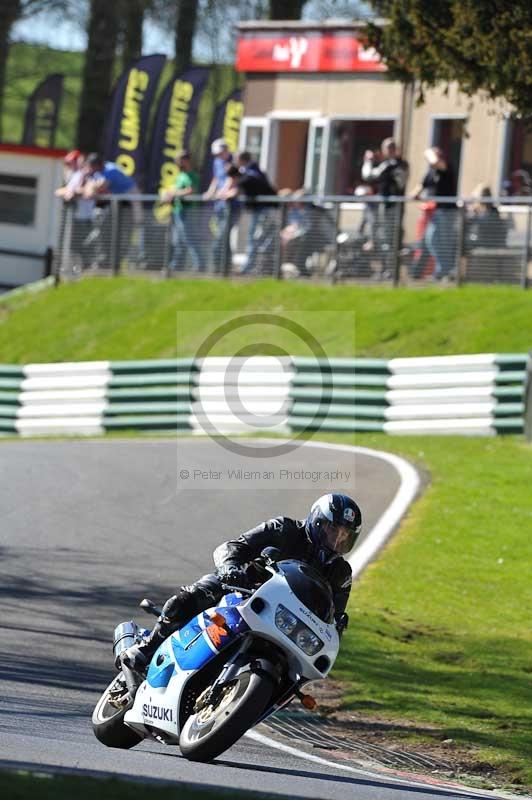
column 216, row 727
column 108, row 720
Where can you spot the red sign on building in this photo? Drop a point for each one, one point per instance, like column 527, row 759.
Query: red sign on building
column 311, row 51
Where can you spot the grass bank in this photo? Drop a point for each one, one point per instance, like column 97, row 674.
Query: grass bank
column 27, row 786
column 136, row 318
column 440, row 623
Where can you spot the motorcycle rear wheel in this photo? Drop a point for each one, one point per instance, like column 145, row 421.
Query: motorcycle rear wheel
column 108, row 722
column 213, row 730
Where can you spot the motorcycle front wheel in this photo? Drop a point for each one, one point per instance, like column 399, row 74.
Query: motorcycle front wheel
column 108, row 720
column 217, row 726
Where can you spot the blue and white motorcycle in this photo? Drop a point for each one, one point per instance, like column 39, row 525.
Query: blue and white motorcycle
column 226, row 670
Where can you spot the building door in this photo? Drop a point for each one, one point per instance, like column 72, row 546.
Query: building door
column 291, row 153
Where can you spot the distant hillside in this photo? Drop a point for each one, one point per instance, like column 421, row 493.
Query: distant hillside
column 29, row 64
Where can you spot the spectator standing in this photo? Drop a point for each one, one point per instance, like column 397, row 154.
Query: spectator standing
column 439, row 181
column 388, row 173
column 224, row 211
column 252, row 182
column 185, row 228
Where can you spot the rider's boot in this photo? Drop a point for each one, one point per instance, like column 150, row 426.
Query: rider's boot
column 176, row 612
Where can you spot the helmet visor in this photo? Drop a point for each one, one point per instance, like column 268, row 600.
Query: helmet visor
column 339, row 538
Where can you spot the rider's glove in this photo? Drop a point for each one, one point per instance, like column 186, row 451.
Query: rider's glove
column 233, row 575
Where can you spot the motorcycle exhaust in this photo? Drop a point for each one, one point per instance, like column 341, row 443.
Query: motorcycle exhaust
column 125, row 635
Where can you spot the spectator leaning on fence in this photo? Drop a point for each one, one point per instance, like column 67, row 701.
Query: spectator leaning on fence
column 82, row 207
column 104, row 178
column 439, row 181
column 252, row 182
column 185, row 228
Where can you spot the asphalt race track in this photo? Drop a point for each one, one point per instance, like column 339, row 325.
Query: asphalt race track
column 88, row 529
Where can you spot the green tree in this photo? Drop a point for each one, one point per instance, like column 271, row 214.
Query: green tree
column 286, row 9
column 97, row 73
column 131, row 22
column 11, row 10
column 185, row 29
column 483, row 45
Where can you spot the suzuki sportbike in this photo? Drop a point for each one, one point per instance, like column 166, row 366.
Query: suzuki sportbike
column 226, row 670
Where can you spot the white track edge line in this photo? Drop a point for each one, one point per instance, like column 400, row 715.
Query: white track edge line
column 374, row 541
column 456, row 789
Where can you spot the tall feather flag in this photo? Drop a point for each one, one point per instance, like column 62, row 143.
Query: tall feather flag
column 127, row 122
column 174, row 122
column 42, row 113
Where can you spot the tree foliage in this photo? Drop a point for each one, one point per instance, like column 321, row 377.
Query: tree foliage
column 484, row 45
column 131, row 23
column 97, row 73
column 286, row 9
column 185, row 30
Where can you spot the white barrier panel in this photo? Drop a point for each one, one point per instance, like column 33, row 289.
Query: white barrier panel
column 433, row 364
column 440, row 411
column 66, row 396
column 219, row 392
column 67, row 368
column 441, row 379
column 473, row 394
column 468, row 427
column 68, row 382
column 61, row 410
column 82, row 426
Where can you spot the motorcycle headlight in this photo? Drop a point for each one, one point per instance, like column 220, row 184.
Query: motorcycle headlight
column 297, row 631
column 285, row 620
column 308, row 641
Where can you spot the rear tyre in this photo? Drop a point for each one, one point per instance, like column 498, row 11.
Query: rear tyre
column 214, row 729
column 108, row 721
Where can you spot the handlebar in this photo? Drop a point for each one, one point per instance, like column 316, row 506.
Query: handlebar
column 227, row 588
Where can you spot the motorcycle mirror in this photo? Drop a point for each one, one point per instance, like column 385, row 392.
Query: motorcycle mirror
column 150, row 608
column 271, row 555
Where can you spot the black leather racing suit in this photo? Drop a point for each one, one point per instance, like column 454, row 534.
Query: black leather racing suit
column 289, row 536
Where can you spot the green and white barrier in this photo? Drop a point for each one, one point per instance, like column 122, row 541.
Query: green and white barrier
column 476, row 394
column 90, row 398
column 473, row 395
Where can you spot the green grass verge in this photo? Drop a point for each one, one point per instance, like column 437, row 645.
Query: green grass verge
column 440, row 623
column 136, row 318
column 27, row 786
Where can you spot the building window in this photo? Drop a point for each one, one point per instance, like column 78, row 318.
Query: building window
column 518, row 179
column 18, row 199
column 348, row 142
column 447, row 134
column 253, row 136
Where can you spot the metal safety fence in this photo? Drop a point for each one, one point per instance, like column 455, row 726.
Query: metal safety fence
column 335, row 239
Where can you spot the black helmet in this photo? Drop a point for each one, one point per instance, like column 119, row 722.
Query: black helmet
column 334, row 523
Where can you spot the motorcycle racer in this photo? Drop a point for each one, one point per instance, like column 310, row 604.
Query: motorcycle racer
column 328, row 533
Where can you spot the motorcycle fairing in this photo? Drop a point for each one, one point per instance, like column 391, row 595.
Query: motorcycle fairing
column 196, row 643
column 181, row 655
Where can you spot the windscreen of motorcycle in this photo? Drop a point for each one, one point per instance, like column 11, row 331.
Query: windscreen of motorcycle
column 310, row 588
